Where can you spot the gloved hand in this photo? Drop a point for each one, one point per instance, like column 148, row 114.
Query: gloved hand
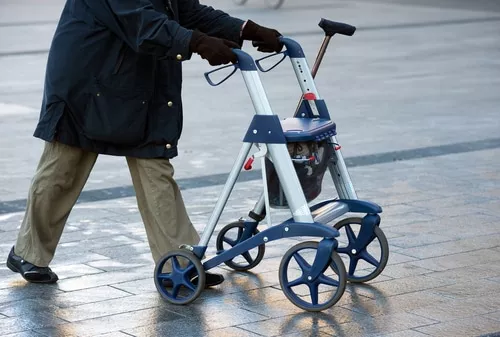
column 266, row 38
column 216, row 51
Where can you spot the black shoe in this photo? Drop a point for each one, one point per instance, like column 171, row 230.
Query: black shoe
column 30, row 272
column 210, row 280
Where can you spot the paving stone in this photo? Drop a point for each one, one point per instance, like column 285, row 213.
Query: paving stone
column 114, row 334
column 452, row 247
column 9, row 238
column 470, row 273
column 137, row 287
column 318, row 333
column 27, row 333
column 396, row 258
column 380, row 305
column 470, row 327
column 404, row 285
column 27, row 307
column 85, row 296
column 405, row 219
column 253, row 297
column 230, row 332
column 96, row 244
column 460, row 290
column 403, row 270
column 102, row 279
column 73, row 270
column 370, row 326
column 418, row 240
column 113, row 323
column 23, row 290
column 302, row 322
column 494, row 315
column 35, row 320
column 456, row 309
column 404, row 333
column 458, row 260
column 199, row 321
column 108, row 307
column 74, row 257
column 112, row 265
column 7, row 226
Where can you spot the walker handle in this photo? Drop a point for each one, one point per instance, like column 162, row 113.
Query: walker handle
column 331, row 28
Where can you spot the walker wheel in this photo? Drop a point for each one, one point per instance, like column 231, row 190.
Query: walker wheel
column 311, row 295
column 229, row 237
column 174, row 276
column 368, row 263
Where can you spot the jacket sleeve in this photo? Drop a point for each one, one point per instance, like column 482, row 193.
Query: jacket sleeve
column 208, row 20
column 141, row 27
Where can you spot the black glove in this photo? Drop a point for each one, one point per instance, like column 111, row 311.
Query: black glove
column 266, row 39
column 216, row 51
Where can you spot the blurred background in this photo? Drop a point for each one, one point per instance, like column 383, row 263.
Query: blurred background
column 416, row 74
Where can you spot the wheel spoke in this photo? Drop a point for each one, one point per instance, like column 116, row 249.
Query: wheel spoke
column 302, row 262
column 240, row 234
column 175, row 290
column 369, row 258
column 296, row 282
column 189, row 285
column 227, row 240
column 176, row 267
column 328, row 280
column 247, row 257
column 350, row 234
column 189, row 268
column 313, row 290
column 165, row 276
column 353, row 263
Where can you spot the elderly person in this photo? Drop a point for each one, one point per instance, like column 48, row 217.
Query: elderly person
column 113, row 86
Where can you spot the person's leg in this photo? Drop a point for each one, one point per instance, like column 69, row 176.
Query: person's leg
column 60, row 177
column 162, row 209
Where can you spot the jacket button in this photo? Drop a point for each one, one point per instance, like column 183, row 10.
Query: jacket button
column 179, row 57
column 168, row 146
column 170, row 104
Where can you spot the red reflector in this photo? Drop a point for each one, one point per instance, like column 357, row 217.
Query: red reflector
column 310, row 96
column 248, row 164
column 337, row 147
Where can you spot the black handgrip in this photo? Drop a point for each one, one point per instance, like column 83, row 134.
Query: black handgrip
column 331, row 28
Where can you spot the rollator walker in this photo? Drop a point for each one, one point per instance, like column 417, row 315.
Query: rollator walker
column 294, row 154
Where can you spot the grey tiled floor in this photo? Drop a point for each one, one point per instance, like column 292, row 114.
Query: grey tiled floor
column 442, row 279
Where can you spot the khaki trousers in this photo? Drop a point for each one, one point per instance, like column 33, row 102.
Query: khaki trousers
column 60, row 177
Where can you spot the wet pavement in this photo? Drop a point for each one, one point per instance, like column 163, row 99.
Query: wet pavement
column 415, row 94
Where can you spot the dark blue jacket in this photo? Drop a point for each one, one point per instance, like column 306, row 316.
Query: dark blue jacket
column 114, row 76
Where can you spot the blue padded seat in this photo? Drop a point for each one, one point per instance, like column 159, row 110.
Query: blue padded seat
column 307, row 129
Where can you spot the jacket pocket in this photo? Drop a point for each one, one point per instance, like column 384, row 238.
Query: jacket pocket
column 117, row 116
